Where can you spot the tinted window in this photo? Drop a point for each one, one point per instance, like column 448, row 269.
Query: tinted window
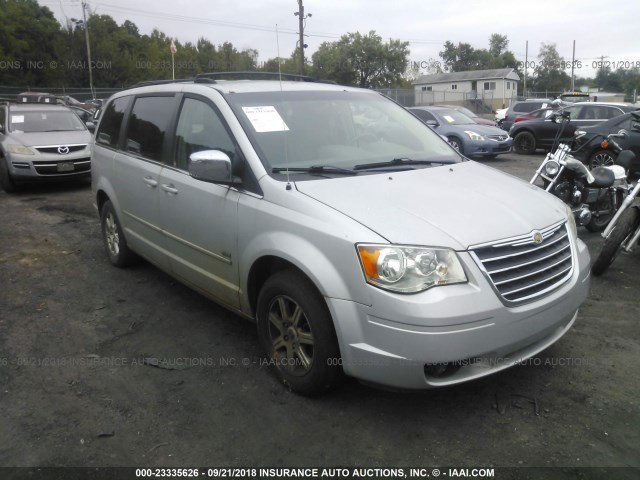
column 200, row 128
column 423, row 115
column 148, row 124
column 527, row 106
column 109, row 132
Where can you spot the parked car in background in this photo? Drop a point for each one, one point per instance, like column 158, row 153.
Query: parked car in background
column 369, row 247
column 41, row 143
column 465, row 135
column 499, row 116
column 536, row 114
column 520, row 107
column 70, row 101
column 472, row 115
column 85, row 115
column 540, row 133
column 588, row 148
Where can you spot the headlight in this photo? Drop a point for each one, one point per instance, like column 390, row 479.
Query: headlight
column 473, row 135
column 408, row 269
column 551, row 168
column 19, row 149
column 571, row 222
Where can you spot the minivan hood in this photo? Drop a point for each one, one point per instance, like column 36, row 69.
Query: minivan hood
column 37, row 139
column 453, row 206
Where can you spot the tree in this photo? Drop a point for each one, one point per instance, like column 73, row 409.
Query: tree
column 362, row 60
column 463, row 57
column 31, row 41
column 549, row 74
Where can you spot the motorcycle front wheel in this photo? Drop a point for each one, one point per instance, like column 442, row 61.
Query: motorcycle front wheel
column 625, row 226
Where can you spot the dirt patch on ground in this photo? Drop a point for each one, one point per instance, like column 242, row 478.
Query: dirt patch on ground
column 108, row 367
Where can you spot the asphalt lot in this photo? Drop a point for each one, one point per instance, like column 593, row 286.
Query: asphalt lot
column 80, row 386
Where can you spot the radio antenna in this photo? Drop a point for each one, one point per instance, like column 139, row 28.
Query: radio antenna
column 286, row 159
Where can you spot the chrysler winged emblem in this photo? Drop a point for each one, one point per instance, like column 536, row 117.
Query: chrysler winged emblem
column 537, row 237
column 63, row 150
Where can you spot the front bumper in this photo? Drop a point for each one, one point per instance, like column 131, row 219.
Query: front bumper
column 49, row 167
column 488, row 148
column 400, row 341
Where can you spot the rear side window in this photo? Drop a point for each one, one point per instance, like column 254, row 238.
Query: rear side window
column 109, row 132
column 527, row 106
column 148, row 125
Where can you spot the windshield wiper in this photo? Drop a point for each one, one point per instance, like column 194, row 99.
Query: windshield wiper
column 315, row 169
column 400, row 162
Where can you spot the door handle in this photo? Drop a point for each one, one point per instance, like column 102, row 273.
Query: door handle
column 150, row 182
column 169, row 188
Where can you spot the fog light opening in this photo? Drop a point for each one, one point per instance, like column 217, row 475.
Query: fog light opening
column 441, row 370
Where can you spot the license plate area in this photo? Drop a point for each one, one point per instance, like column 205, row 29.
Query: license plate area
column 66, row 167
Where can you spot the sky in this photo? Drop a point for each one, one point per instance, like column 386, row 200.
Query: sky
column 603, row 31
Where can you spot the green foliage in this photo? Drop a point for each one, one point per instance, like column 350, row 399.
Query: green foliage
column 362, row 60
column 35, row 50
column 463, row 57
column 549, row 74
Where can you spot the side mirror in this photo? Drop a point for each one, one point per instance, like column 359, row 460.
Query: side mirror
column 211, row 166
column 91, row 127
column 432, row 123
column 635, row 126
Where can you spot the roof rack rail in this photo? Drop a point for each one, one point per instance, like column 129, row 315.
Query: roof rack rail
column 160, row 82
column 247, row 74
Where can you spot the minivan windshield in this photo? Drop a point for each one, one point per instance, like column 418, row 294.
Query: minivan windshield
column 44, row 121
column 336, row 131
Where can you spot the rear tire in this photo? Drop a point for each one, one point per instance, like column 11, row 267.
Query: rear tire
column 627, row 224
column 296, row 330
column 524, row 143
column 113, row 238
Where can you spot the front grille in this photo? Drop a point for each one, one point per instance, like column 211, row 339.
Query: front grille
column 48, row 167
column 499, row 138
column 61, row 149
column 521, row 269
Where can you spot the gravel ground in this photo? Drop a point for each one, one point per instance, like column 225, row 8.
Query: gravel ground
column 80, row 386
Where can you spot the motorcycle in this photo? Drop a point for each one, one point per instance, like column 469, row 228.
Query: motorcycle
column 622, row 233
column 594, row 196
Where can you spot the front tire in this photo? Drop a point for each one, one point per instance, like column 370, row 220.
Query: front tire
column 114, row 242
column 7, row 183
column 524, row 143
column 456, row 144
column 296, row 330
column 626, row 225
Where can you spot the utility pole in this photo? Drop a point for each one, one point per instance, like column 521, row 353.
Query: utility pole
column 86, row 33
column 301, row 19
column 573, row 62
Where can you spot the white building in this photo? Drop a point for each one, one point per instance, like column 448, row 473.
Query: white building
column 480, row 90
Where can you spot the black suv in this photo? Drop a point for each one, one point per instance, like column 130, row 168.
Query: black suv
column 588, row 141
column 530, row 135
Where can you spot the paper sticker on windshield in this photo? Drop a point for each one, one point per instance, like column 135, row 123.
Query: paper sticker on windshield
column 17, row 119
column 265, row 119
column 449, row 118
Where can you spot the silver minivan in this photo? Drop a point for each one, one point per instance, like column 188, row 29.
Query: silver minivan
column 356, row 238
